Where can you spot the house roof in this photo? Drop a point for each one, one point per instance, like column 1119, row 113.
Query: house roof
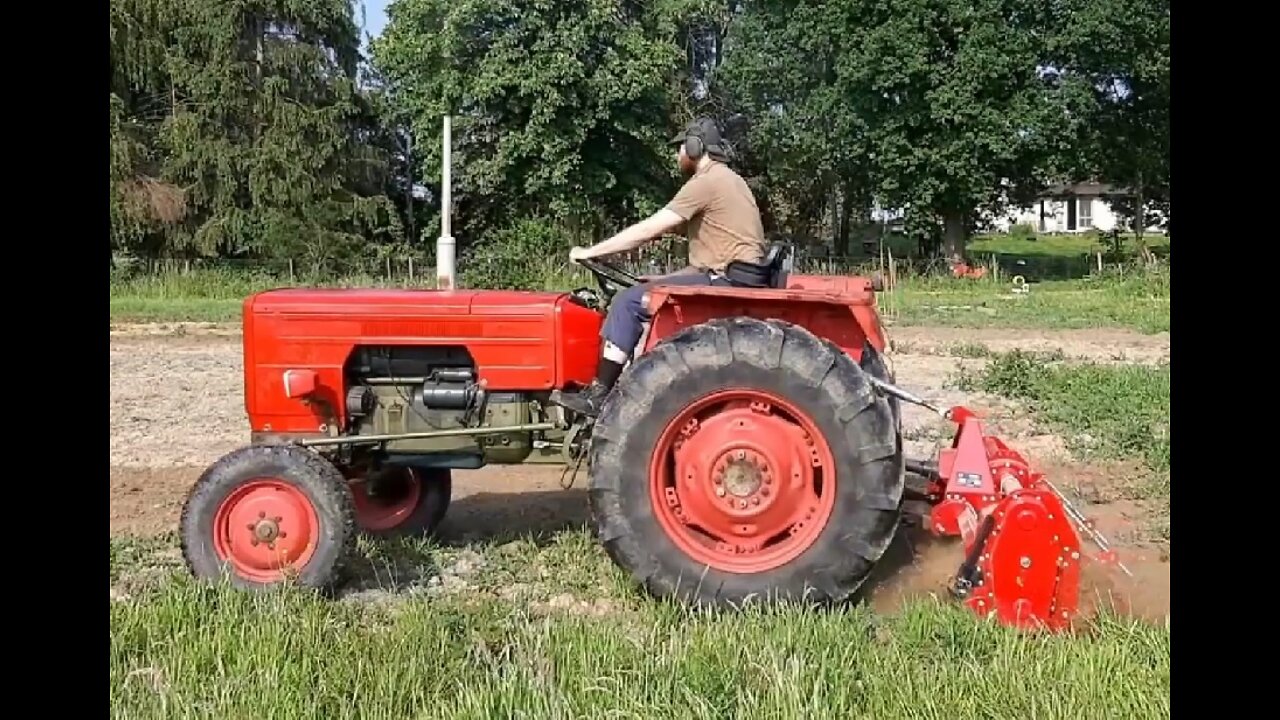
column 1082, row 188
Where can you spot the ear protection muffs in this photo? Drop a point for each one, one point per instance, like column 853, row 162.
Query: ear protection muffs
column 694, row 144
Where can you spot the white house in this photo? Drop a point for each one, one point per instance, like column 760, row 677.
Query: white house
column 1073, row 208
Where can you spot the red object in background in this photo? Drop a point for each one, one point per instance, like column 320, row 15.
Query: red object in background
column 963, row 270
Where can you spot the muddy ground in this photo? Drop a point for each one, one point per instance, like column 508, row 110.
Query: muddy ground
column 176, row 405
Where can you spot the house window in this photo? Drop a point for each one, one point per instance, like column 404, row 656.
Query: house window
column 1085, row 213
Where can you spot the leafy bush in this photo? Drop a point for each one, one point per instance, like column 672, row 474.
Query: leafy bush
column 1023, row 231
column 519, row 256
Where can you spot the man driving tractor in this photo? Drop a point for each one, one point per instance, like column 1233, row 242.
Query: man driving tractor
column 722, row 224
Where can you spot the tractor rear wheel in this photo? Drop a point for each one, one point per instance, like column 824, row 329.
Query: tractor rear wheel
column 742, row 458
column 266, row 514
column 400, row 501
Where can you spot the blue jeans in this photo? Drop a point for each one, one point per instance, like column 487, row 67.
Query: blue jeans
column 625, row 322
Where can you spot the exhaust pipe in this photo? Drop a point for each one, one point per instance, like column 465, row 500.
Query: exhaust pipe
column 445, row 244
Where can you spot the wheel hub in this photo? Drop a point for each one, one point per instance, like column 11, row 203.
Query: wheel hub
column 741, row 476
column 750, row 486
column 265, row 527
column 266, row 530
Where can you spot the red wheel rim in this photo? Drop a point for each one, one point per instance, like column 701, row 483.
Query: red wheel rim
column 742, row 481
column 384, row 513
column 263, row 528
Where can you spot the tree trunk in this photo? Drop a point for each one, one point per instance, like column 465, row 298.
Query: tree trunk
column 846, row 209
column 833, row 193
column 1140, row 225
column 954, row 236
column 408, row 191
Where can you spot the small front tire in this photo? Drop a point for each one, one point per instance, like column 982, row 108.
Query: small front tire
column 267, row 514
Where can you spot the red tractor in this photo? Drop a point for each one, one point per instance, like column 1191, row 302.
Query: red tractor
column 752, row 448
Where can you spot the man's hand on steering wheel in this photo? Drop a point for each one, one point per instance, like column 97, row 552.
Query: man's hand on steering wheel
column 579, row 253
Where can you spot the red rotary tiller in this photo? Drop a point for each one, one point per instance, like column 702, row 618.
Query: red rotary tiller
column 1022, row 550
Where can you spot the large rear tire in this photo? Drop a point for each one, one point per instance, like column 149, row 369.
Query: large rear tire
column 742, row 458
column 267, row 514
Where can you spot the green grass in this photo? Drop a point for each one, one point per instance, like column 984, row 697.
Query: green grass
column 1138, row 301
column 179, row 649
column 1106, row 412
column 1057, row 245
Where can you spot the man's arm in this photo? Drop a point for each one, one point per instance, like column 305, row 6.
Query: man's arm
column 692, row 198
column 633, row 237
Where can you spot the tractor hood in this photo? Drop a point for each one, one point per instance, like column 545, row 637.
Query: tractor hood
column 407, row 303
column 519, row 341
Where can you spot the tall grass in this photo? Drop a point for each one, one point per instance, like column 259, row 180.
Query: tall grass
column 190, row 651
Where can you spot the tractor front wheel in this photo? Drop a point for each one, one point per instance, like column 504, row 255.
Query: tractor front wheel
column 742, row 458
column 400, row 501
column 266, row 514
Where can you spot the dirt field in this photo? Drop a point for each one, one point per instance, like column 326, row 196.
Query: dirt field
column 176, row 405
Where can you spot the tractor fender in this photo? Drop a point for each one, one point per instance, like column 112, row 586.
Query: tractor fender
column 839, row 309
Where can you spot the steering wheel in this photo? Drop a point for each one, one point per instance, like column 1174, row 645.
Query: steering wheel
column 611, row 278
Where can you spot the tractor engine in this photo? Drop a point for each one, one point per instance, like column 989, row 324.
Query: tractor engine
column 423, row 378
column 394, row 390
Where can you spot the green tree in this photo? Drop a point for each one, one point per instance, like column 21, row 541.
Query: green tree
column 942, row 107
column 561, row 107
column 251, row 109
column 805, row 139
column 1121, row 48
column 960, row 115
column 143, row 207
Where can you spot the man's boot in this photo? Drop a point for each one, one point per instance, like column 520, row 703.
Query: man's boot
column 588, row 401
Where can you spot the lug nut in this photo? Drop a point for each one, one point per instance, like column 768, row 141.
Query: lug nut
column 720, row 492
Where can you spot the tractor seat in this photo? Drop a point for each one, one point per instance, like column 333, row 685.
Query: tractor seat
column 770, row 272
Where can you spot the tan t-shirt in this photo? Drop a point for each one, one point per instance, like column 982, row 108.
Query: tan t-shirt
column 721, row 218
